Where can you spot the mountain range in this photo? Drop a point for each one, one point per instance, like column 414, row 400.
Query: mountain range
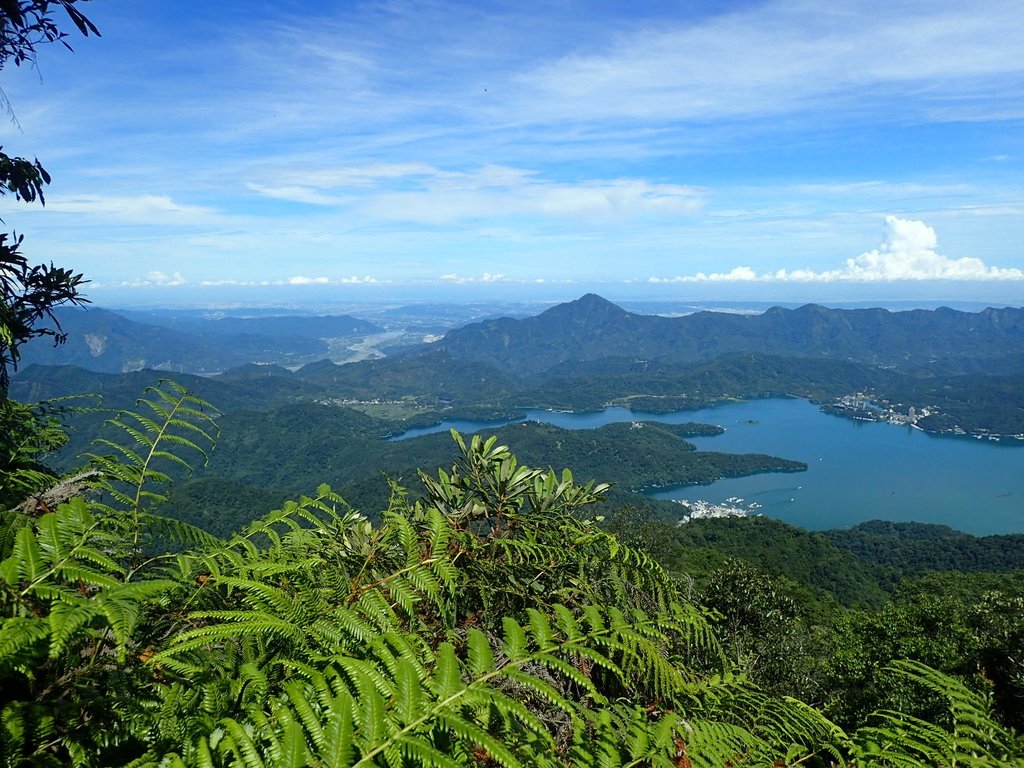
column 965, row 368
column 101, row 340
column 570, row 336
column 592, row 328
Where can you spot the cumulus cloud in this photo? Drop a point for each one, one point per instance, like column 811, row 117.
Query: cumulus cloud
column 296, row 280
column 486, row 277
column 909, row 252
column 159, row 278
column 154, row 278
column 737, row 274
column 321, row 280
column 218, row 283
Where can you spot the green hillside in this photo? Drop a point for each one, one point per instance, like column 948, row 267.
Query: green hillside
column 486, row 614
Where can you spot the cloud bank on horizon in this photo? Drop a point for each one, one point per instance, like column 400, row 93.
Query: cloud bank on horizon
column 755, row 143
column 908, row 253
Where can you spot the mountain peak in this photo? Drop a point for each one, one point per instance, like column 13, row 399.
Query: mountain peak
column 593, row 300
column 590, row 305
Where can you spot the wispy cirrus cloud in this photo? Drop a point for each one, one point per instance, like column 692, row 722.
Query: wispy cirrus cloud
column 297, row 194
column 782, row 57
column 428, row 195
column 130, row 209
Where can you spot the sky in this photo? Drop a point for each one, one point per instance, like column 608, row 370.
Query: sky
column 202, row 152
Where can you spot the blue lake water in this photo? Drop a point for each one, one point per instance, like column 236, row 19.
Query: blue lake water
column 857, row 470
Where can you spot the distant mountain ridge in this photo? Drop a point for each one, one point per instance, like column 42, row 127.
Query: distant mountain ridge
column 106, row 341
column 303, row 326
column 593, row 328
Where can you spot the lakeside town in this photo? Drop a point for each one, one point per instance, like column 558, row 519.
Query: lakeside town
column 733, row 506
column 863, row 406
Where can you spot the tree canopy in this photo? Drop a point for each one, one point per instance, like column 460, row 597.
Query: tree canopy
column 29, row 292
column 491, row 622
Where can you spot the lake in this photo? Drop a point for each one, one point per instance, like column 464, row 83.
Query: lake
column 857, row 470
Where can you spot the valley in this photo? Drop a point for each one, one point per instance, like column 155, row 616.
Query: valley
column 858, row 539
column 287, row 428
column 508, row 385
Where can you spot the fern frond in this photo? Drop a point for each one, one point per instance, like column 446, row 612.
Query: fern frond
column 973, row 738
column 183, row 421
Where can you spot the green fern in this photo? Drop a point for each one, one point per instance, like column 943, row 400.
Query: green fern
column 137, row 467
column 72, row 626
column 173, row 416
column 973, row 738
column 487, row 624
column 28, row 434
column 77, row 608
column 365, row 641
column 394, row 706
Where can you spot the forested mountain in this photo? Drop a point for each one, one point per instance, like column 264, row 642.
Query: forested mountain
column 429, row 374
column 489, row 615
column 101, row 340
column 455, row 567
column 287, row 326
column 236, row 389
column 592, row 328
column 258, row 564
column 587, row 330
column 589, row 353
column 911, row 549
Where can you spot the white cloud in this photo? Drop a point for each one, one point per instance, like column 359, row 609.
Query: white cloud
column 486, row 277
column 422, row 174
column 452, row 277
column 137, row 209
column 737, row 274
column 321, row 280
column 356, row 175
column 159, row 278
column 420, row 193
column 151, row 279
column 593, row 201
column 909, row 252
column 215, row 283
column 779, row 57
column 296, row 194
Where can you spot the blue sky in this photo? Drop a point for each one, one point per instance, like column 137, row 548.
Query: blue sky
column 763, row 149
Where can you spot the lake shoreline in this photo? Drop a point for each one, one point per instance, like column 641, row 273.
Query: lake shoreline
column 857, row 470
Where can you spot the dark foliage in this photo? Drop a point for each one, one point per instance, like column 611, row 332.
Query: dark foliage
column 29, row 293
